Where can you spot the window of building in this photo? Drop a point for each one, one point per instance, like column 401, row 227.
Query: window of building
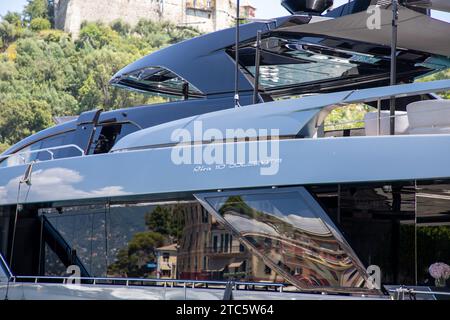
column 215, row 243
column 267, row 270
column 166, row 257
column 225, row 248
column 205, row 263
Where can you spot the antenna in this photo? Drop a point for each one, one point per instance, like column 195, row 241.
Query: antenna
column 236, row 75
column 393, row 62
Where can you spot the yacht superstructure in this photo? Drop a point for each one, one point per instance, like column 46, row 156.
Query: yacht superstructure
column 193, row 198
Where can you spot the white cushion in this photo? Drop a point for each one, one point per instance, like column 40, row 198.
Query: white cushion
column 371, row 123
column 430, row 130
column 429, row 114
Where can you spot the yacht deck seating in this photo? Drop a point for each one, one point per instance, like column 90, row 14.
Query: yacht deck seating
column 371, row 123
column 429, row 117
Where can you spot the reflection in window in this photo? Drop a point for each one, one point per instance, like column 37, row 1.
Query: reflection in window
column 279, row 235
column 288, row 63
column 433, row 229
column 155, row 240
column 54, row 141
column 159, row 80
column 83, row 228
column 378, row 222
column 292, row 235
column 109, row 134
column 53, row 265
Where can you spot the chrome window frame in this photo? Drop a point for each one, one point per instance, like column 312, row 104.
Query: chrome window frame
column 317, row 209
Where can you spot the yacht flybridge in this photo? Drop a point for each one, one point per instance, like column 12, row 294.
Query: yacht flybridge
column 274, row 199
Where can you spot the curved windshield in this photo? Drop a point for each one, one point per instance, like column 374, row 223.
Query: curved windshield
column 27, row 154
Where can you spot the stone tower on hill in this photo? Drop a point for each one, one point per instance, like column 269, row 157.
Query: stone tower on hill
column 206, row 15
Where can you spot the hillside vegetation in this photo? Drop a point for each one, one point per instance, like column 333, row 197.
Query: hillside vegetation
column 44, row 73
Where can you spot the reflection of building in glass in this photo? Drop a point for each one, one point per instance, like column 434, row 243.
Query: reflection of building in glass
column 276, row 236
column 210, row 252
column 249, row 11
column 166, row 259
column 300, row 246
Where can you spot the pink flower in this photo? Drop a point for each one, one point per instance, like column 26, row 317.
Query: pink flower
column 439, row 270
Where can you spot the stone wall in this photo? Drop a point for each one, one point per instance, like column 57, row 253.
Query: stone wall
column 208, row 16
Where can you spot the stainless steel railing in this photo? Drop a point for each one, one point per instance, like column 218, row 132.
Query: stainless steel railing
column 4, row 266
column 278, row 287
column 402, row 292
column 23, row 155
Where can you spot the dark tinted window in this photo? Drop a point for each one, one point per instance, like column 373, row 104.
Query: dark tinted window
column 378, row 222
column 108, row 135
column 54, row 141
column 433, row 229
column 404, row 229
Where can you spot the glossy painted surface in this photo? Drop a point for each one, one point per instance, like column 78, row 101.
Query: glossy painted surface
column 289, row 117
column 30, row 291
column 143, row 116
column 301, row 161
column 206, row 50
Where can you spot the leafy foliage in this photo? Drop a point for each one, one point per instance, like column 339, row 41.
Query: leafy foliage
column 44, row 73
column 39, row 24
column 445, row 74
column 164, row 226
column 352, row 116
column 132, row 260
column 36, row 9
column 347, row 117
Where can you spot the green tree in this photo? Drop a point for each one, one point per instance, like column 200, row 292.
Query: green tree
column 36, row 9
column 19, row 119
column 42, row 70
column 159, row 220
column 13, row 18
column 96, row 35
column 9, row 33
column 166, row 221
column 121, row 28
column 39, row 24
column 3, row 147
column 132, row 261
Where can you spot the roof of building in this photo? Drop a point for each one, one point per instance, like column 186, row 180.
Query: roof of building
column 171, row 247
column 246, row 3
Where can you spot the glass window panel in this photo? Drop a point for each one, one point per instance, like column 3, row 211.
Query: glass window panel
column 53, row 265
column 295, row 63
column 291, row 234
column 378, row 221
column 160, row 80
column 54, row 141
column 130, row 249
column 433, row 230
column 83, row 228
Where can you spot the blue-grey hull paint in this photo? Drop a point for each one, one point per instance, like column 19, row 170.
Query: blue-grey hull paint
column 289, row 117
column 303, row 162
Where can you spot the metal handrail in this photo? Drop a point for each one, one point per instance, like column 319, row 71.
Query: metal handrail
column 5, row 267
column 405, row 290
column 384, row 117
column 95, row 281
column 48, row 150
